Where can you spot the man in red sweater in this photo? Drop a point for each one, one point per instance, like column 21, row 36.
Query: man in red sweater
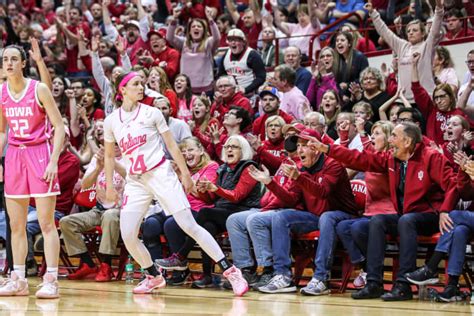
column 161, row 54
column 270, row 99
column 422, row 184
column 455, row 25
column 323, row 186
column 225, row 96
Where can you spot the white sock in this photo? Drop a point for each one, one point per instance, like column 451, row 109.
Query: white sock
column 19, row 270
column 53, row 271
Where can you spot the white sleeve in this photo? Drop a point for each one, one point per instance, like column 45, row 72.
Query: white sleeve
column 108, row 130
column 160, row 122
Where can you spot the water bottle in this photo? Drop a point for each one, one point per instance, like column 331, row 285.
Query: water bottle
column 142, row 274
column 129, row 269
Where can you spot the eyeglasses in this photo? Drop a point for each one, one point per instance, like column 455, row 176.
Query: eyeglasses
column 233, row 147
column 441, row 96
column 468, row 62
column 230, row 113
column 403, row 120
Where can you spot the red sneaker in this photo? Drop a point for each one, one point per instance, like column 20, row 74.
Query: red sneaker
column 105, row 273
column 82, row 273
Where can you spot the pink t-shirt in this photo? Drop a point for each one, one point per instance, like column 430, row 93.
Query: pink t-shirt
column 26, row 117
column 185, row 113
column 303, row 42
column 210, row 172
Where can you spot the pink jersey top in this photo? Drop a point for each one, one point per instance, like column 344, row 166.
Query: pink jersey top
column 26, row 117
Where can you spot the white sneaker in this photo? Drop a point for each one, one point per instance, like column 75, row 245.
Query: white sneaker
column 15, row 286
column 49, row 288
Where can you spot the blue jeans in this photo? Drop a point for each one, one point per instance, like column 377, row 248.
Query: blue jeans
column 354, row 234
column 33, row 228
column 259, row 226
column 252, row 225
column 454, row 242
column 286, row 222
column 408, row 227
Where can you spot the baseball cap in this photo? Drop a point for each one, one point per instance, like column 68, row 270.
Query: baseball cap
column 133, row 23
column 270, row 90
column 161, row 33
column 305, row 133
column 236, row 33
column 297, row 127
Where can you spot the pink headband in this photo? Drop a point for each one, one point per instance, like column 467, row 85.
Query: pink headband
column 123, row 83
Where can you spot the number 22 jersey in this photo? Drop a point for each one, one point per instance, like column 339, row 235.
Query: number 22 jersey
column 26, row 117
column 137, row 133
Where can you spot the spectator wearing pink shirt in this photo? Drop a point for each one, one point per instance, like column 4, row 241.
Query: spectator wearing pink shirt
column 293, row 101
column 443, row 68
column 308, row 24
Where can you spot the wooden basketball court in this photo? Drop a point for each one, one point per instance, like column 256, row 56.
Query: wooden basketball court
column 116, row 298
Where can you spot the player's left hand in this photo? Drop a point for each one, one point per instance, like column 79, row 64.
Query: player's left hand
column 51, row 172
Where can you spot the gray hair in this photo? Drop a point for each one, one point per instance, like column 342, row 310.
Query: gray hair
column 319, row 117
column 107, row 63
column 413, row 132
column 377, row 74
column 246, row 149
column 231, row 80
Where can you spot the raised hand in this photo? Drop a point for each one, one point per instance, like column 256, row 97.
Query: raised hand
column 440, row 3
column 360, row 124
column 35, row 51
column 69, row 93
column 120, row 45
column 209, row 13
column 316, row 145
column 415, row 58
column 369, row 7
column 290, row 169
column 262, row 176
column 95, row 43
column 461, row 159
column 254, row 141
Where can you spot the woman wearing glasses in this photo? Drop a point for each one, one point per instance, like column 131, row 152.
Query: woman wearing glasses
column 235, row 190
column 436, row 110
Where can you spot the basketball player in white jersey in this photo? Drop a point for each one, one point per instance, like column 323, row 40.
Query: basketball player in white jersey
column 31, row 168
column 137, row 129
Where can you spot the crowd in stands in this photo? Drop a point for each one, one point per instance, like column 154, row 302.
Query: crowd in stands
column 273, row 128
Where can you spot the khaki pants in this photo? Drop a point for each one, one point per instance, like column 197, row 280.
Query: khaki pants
column 72, row 227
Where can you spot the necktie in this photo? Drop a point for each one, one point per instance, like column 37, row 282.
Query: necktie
column 401, row 185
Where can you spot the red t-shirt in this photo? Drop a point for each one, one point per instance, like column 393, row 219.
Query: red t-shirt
column 251, row 32
column 72, row 54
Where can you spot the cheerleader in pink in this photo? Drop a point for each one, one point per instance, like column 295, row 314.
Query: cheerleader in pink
column 31, row 167
column 137, row 129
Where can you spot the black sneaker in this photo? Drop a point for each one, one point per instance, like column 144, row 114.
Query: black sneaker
column 178, row 278
column 263, row 280
column 250, row 277
column 422, row 276
column 370, row 290
column 401, row 291
column 204, row 282
column 451, row 293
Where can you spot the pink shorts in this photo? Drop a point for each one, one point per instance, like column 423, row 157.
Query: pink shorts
column 24, row 170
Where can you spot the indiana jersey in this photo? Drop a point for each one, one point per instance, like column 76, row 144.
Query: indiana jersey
column 27, row 120
column 137, row 133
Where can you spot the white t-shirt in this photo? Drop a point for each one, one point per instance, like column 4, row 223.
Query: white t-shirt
column 138, row 135
column 100, row 184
